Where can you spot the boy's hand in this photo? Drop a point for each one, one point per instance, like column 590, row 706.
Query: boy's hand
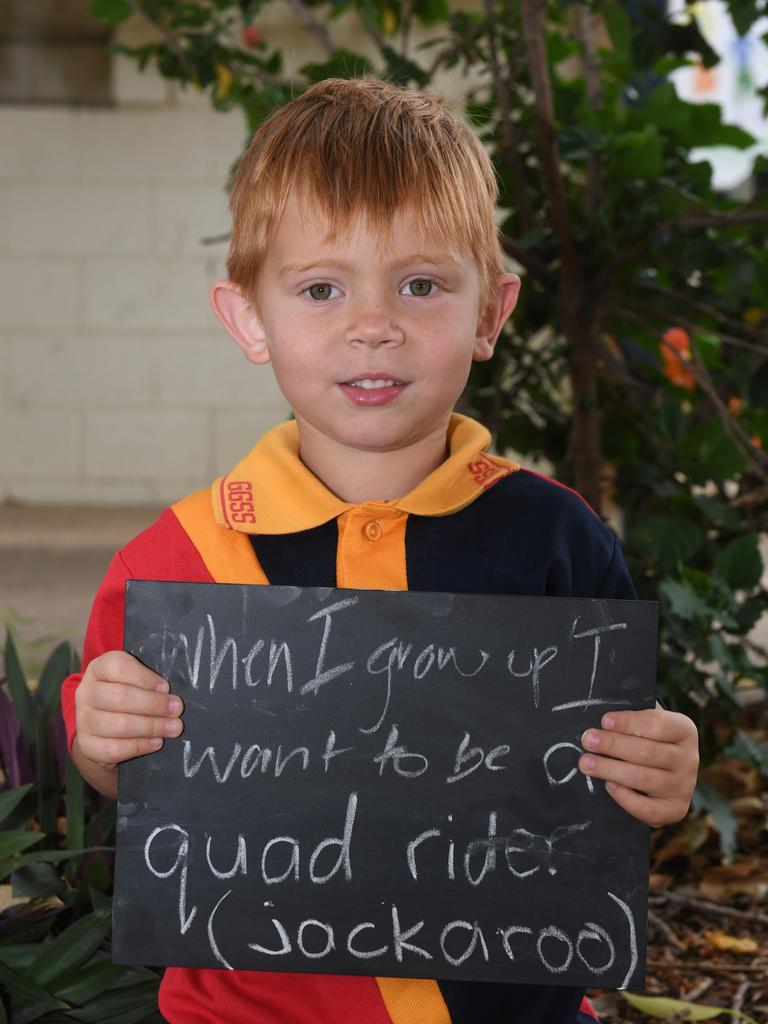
column 649, row 760
column 123, row 710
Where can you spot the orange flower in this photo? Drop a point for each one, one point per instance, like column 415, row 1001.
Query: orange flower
column 757, row 441
column 676, row 354
column 735, row 405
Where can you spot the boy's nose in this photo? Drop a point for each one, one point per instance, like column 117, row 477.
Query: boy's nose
column 373, row 326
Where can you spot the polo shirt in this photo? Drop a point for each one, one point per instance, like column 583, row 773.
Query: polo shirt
column 477, row 524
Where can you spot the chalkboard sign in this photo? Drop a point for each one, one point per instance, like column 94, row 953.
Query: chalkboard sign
column 384, row 783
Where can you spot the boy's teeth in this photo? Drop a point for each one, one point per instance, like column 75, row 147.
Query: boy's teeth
column 368, row 384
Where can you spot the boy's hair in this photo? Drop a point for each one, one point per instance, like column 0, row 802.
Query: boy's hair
column 366, row 147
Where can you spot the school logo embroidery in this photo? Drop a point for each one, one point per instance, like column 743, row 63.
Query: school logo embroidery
column 482, row 470
column 240, row 501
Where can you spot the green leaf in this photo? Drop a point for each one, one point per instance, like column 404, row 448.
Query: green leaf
column 740, row 564
column 750, row 750
column 342, row 64
column 663, row 1008
column 35, row 880
column 111, row 11
column 49, row 856
column 683, row 601
column 16, row 840
column 11, row 798
column 638, row 154
column 120, row 1006
column 668, row 540
column 47, row 778
column 75, row 806
column 17, row 687
column 429, row 12
column 26, row 991
column 706, row 798
column 55, row 671
column 90, row 981
column 71, row 949
column 18, row 957
column 619, row 28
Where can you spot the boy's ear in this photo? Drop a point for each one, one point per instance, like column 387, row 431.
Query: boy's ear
column 238, row 316
column 495, row 316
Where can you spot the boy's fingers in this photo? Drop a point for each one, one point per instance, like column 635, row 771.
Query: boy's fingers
column 653, row 781
column 134, row 700
column 651, row 810
column 111, row 752
column 121, row 667
column 635, row 749
column 653, row 724
column 106, row 724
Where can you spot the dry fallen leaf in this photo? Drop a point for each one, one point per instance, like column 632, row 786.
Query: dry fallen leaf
column 7, row 899
column 684, row 842
column 723, row 882
column 666, row 1009
column 720, row 940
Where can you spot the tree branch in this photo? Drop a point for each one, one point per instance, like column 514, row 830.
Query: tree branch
column 753, row 456
column 549, row 154
column 710, row 311
column 511, row 143
column 169, row 39
column 691, row 325
column 585, row 33
column 312, row 25
column 534, row 266
column 690, row 220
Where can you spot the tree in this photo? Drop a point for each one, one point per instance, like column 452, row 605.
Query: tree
column 637, row 362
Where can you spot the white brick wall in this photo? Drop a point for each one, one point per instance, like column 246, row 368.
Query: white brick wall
column 117, row 384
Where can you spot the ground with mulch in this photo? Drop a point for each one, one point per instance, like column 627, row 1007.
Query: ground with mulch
column 708, row 916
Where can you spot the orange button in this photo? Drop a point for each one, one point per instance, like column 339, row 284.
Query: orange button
column 372, row 529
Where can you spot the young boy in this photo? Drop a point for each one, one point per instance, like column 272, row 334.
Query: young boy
column 366, row 268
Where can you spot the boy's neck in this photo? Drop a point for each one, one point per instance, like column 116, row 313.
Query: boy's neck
column 359, row 475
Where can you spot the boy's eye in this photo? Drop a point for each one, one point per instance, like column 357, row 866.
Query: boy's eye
column 421, row 287
column 320, row 291
column 419, row 284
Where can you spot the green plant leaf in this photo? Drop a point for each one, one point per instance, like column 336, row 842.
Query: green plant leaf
column 55, row 671
column 26, row 991
column 17, row 687
column 683, row 601
column 750, row 750
column 663, row 1008
column 111, row 11
column 90, row 981
column 706, row 798
column 35, row 880
column 18, row 957
column 71, row 949
column 740, row 564
column 668, row 540
column 11, row 798
column 121, row 1005
column 17, row 840
column 47, row 778
column 75, row 806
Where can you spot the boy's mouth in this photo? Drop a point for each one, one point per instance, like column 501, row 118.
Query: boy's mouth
column 369, row 383
column 372, row 389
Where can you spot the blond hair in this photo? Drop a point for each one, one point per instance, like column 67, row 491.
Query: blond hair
column 364, row 147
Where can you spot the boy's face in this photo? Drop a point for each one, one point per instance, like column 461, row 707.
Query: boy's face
column 371, row 345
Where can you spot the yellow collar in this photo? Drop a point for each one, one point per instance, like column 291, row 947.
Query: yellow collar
column 272, row 491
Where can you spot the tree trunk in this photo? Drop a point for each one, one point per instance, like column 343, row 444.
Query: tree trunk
column 584, row 452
